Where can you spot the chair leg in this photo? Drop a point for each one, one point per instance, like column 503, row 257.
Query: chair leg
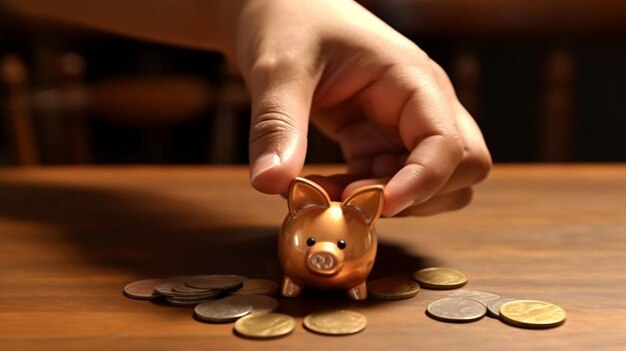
column 22, row 135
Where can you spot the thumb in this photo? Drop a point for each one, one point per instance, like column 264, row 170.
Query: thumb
column 281, row 103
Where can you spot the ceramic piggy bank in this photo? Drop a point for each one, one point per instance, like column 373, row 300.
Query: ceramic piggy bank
column 325, row 244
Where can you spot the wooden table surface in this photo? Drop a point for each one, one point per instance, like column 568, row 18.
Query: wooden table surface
column 71, row 238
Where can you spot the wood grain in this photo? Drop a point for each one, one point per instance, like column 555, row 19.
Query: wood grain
column 73, row 237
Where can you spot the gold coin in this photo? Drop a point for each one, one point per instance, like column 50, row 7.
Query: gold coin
column 392, row 288
column 265, row 325
column 532, row 314
column 440, row 278
column 335, row 322
column 257, row 287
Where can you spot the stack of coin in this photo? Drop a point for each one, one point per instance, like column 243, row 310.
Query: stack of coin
column 223, row 298
column 220, row 298
column 179, row 294
column 189, row 291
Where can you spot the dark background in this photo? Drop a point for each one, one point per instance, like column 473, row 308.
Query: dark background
column 532, row 86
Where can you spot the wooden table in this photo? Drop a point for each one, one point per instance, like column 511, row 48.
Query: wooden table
column 71, row 238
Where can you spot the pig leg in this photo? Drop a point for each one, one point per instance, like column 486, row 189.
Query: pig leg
column 359, row 292
column 290, row 289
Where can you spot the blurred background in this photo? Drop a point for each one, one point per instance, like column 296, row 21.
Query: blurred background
column 546, row 81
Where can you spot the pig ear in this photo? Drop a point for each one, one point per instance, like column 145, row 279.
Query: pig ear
column 304, row 193
column 368, row 200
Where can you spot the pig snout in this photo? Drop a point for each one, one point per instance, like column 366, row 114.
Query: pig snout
column 325, row 258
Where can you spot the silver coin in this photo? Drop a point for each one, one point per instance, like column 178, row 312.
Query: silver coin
column 182, row 288
column 184, row 291
column 217, row 281
column 165, row 289
column 171, row 289
column 190, row 299
column 185, row 302
column 259, row 303
column 456, row 309
column 493, row 307
column 221, row 311
column 483, row 297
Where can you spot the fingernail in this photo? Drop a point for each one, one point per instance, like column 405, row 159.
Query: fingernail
column 401, row 208
column 263, row 164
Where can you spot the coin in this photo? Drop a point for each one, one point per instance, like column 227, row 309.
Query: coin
column 440, row 278
column 182, row 288
column 392, row 288
column 213, row 276
column 220, row 311
column 483, row 297
column 335, row 322
column 217, row 281
column 211, row 296
column 265, row 325
column 259, row 303
column 493, row 307
column 257, row 287
column 180, row 291
column 456, row 309
column 143, row 289
column 532, row 314
column 166, row 288
column 170, row 289
column 185, row 302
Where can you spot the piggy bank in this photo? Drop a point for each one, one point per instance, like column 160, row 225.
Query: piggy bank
column 325, row 244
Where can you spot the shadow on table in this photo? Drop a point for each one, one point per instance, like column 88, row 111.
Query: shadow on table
column 149, row 235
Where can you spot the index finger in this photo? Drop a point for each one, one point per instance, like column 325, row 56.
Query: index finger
column 427, row 127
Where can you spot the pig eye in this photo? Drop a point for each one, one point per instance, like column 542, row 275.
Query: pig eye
column 341, row 244
column 310, row 241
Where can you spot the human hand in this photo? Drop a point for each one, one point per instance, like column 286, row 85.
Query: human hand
column 390, row 107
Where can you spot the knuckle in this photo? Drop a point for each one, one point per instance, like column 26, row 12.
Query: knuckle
column 456, row 147
column 437, row 69
column 419, row 56
column 268, row 63
column 442, row 79
column 268, row 66
column 478, row 164
column 482, row 165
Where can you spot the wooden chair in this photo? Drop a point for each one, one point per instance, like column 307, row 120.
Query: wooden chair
column 147, row 101
column 552, row 21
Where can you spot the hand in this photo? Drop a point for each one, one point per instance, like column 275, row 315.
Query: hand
column 390, row 107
